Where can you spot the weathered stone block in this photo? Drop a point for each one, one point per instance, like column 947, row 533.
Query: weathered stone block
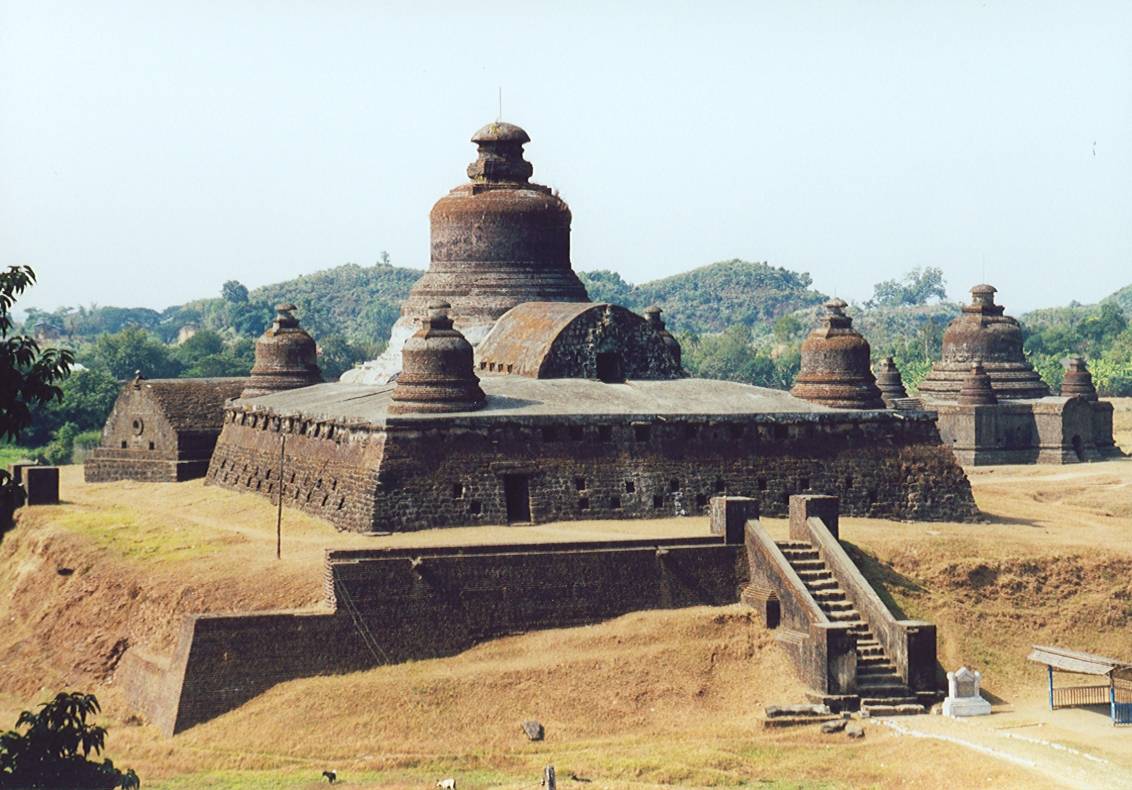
column 42, row 485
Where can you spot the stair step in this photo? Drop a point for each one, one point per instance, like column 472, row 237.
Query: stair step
column 806, row 553
column 892, row 710
column 872, row 670
column 829, row 594
column 808, row 577
column 909, row 700
column 793, row 544
column 872, row 659
column 850, row 617
column 888, row 689
column 819, row 585
column 808, row 565
column 836, row 606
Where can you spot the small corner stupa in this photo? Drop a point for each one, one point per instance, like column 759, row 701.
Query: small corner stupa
column 836, row 369
column 439, row 370
column 286, row 357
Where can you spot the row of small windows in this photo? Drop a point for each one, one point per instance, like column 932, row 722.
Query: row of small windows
column 125, row 445
column 642, row 433
column 460, row 492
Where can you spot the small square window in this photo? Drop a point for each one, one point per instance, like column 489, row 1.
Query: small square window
column 457, row 490
column 580, row 483
column 803, row 484
column 151, row 445
column 762, row 484
column 630, row 486
column 720, row 486
column 674, row 485
column 475, row 507
column 658, row 501
column 615, row 502
column 123, row 444
column 583, row 503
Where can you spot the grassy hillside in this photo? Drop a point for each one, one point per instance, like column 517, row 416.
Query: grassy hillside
column 649, row 700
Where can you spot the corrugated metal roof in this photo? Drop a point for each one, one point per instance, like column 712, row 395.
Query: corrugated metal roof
column 1076, row 661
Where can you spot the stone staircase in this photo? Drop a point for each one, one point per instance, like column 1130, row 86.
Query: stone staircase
column 882, row 692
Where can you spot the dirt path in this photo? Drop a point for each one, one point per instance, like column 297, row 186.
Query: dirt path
column 1024, row 744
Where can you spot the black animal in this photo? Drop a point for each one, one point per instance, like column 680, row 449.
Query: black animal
column 331, row 776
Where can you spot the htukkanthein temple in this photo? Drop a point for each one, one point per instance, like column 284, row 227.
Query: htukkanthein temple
column 993, row 406
column 521, row 401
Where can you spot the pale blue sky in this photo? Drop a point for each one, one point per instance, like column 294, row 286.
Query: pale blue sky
column 151, row 150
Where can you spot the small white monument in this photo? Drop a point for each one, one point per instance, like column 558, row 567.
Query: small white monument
column 963, row 695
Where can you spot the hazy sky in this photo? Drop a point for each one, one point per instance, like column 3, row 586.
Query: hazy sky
column 150, row 151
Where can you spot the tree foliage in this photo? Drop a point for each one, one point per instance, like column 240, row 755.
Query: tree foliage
column 917, row 287
column 29, row 378
column 54, row 748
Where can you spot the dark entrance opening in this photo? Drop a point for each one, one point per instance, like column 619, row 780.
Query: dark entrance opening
column 1078, row 448
column 517, row 492
column 609, row 368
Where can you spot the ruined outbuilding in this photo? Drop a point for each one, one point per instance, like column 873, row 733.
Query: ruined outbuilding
column 164, row 430
column 993, row 406
column 161, row 430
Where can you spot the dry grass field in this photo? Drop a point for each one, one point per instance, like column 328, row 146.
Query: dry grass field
column 659, row 699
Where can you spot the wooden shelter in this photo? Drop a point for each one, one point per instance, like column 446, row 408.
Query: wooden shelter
column 1116, row 691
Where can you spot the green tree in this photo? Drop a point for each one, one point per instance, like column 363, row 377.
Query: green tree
column 54, row 749
column 87, row 397
column 133, row 349
column 917, row 287
column 336, row 355
column 605, row 286
column 29, row 378
column 234, row 292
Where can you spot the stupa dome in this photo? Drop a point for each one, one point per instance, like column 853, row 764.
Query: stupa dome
column 982, row 332
column 285, row 357
column 835, row 368
column 437, row 373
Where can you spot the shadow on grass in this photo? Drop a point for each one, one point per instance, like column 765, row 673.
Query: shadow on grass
column 883, row 577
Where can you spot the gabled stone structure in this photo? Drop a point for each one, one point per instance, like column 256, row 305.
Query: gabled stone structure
column 285, row 357
column 553, row 340
column 994, row 408
column 836, row 366
column 161, row 430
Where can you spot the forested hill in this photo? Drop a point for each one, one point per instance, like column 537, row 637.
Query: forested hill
column 360, row 303
column 714, row 297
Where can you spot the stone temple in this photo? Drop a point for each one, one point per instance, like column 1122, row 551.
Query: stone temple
column 521, row 401
column 994, row 408
column 497, row 242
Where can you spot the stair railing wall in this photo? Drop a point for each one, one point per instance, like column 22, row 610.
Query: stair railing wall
column 824, row 652
column 910, row 644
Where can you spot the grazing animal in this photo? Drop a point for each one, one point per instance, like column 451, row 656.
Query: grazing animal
column 331, row 776
column 446, row 784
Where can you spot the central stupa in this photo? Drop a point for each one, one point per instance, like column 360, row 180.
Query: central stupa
column 497, row 242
